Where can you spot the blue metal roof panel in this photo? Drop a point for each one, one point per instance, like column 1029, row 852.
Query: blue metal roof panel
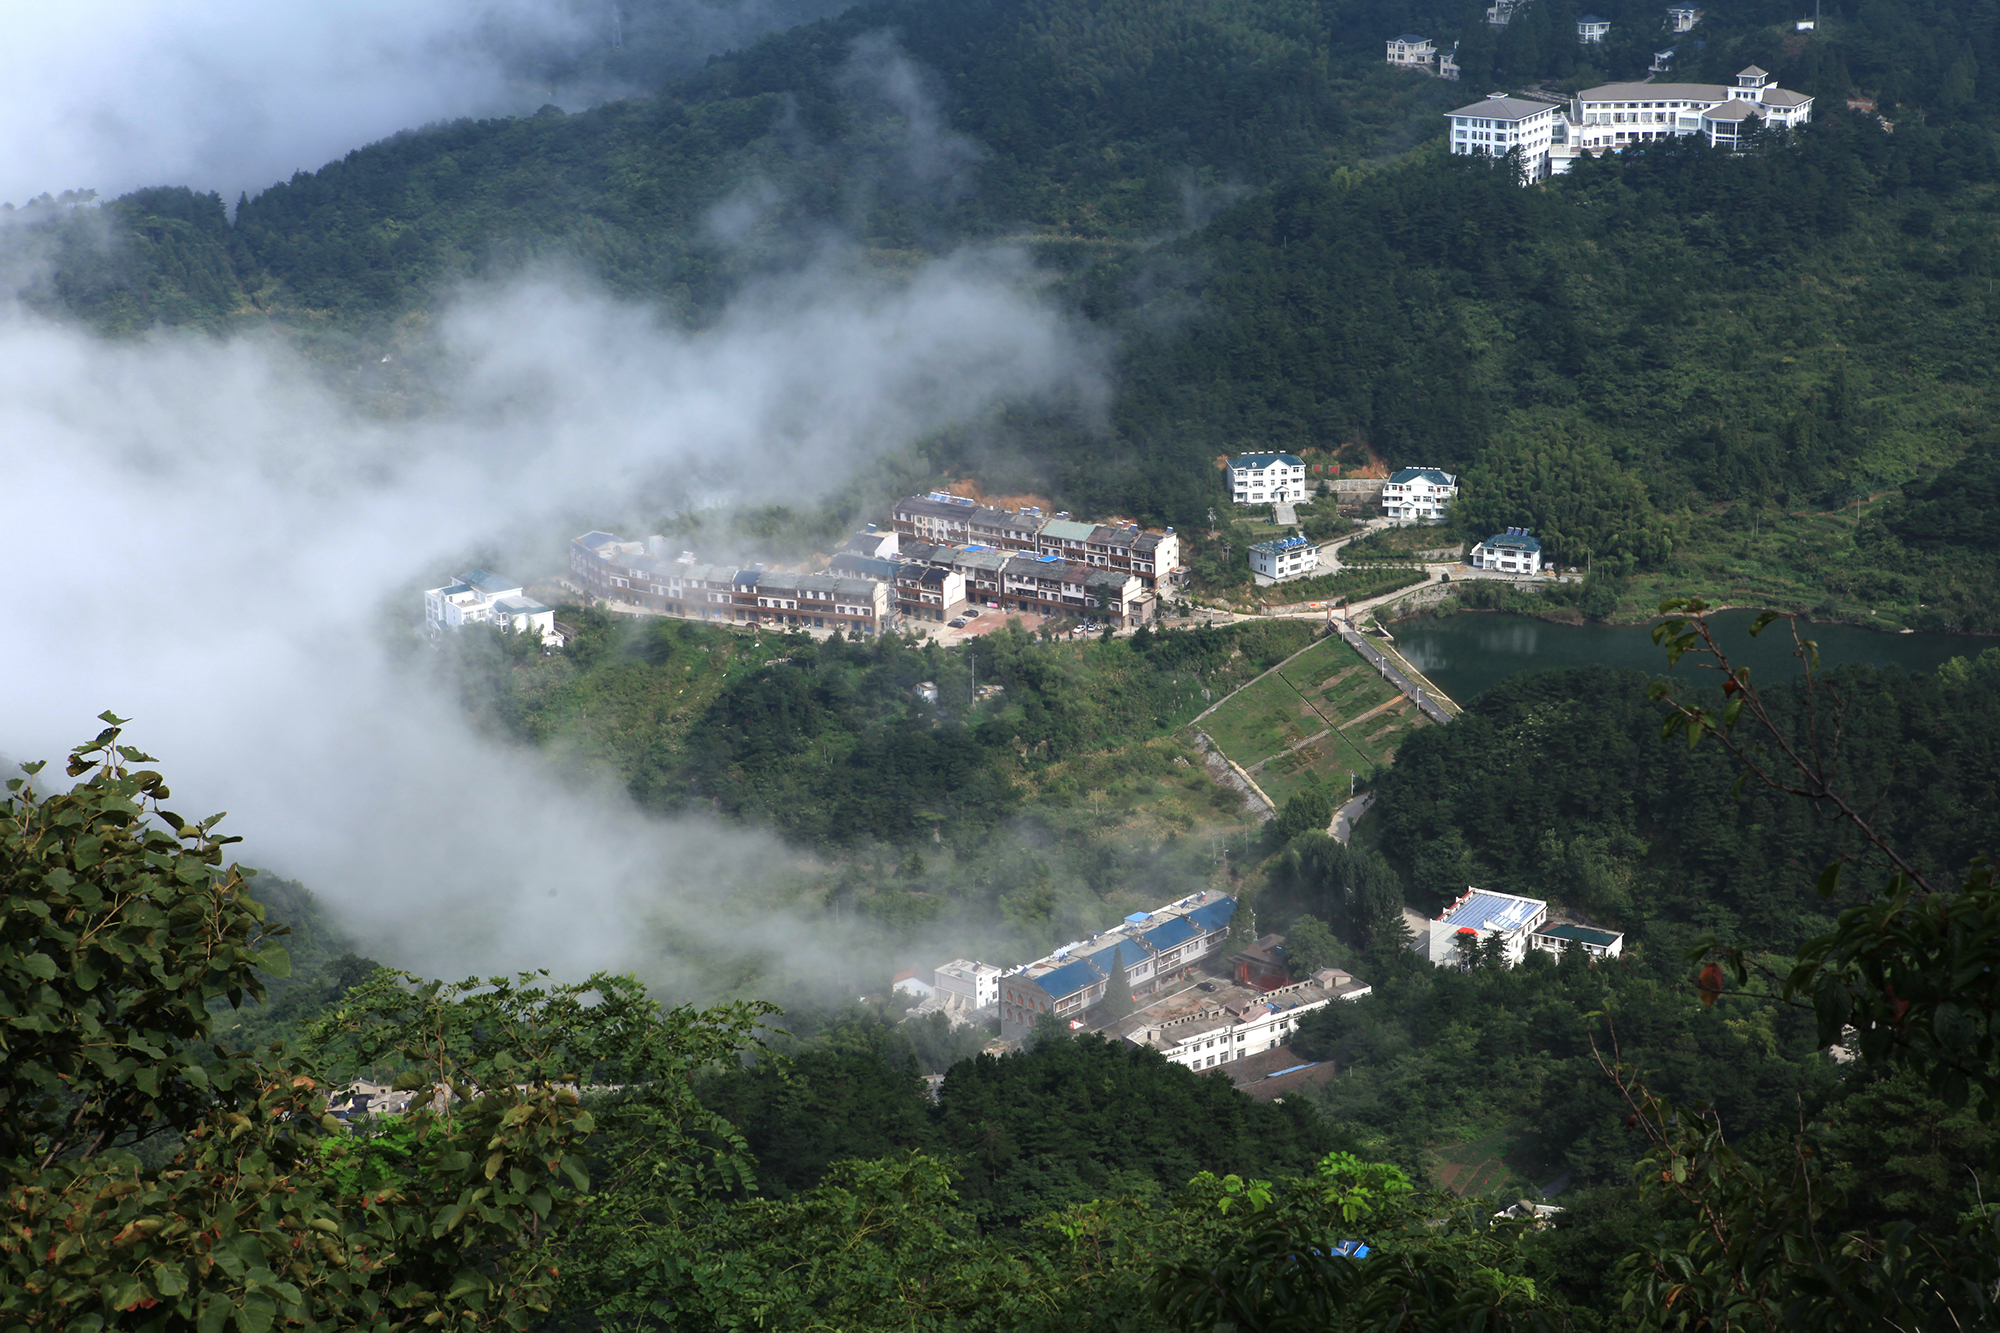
column 1068, row 979
column 1213, row 916
column 1131, row 951
column 1176, row 931
column 1490, row 911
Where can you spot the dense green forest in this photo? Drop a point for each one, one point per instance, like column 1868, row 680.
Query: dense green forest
column 832, row 741
column 1555, row 783
column 1674, row 359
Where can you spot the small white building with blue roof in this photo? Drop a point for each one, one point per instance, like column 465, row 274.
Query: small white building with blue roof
column 1483, row 914
column 1511, row 552
column 1267, row 478
column 1419, row 495
column 1283, row 558
column 480, row 597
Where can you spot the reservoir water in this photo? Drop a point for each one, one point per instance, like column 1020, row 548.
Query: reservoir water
column 1472, row 651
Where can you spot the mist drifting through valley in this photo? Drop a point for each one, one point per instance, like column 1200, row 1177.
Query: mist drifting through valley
column 213, row 545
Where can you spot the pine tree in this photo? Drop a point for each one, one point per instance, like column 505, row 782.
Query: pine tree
column 1117, row 1002
column 1243, row 922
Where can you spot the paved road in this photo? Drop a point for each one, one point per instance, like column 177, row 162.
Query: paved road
column 1345, row 818
column 1329, row 554
column 1283, row 515
column 1395, row 677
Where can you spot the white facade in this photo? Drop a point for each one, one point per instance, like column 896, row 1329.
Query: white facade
column 1616, row 116
column 1510, row 552
column 1419, row 495
column 1265, row 478
column 1595, row 943
column 1412, row 52
column 1482, row 914
column 909, row 983
column 1682, row 18
column 479, row 597
column 967, row 985
column 1245, row 1025
column 1284, row 558
column 1590, row 29
column 1501, row 125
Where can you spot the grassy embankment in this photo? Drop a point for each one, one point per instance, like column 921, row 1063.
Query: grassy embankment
column 1324, row 715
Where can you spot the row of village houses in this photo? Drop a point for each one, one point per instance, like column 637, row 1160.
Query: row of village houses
column 1219, row 1022
column 944, row 556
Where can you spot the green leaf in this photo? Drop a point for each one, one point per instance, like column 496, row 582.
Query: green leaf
column 256, row 1313
column 1758, row 625
column 1829, row 880
column 41, row 965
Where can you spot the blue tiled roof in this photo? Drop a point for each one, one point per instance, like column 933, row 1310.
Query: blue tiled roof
column 1277, row 544
column 1131, row 951
column 1176, row 931
column 1068, row 979
column 1513, row 541
column 1265, row 460
column 1213, row 916
column 1430, row 474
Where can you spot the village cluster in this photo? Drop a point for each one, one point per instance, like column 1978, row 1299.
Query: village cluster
column 1202, row 1015
column 946, row 560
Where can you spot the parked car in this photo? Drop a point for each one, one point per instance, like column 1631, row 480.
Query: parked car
column 1204, row 985
column 972, row 613
column 957, row 622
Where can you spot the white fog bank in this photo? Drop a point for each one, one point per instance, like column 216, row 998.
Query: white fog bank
column 204, row 540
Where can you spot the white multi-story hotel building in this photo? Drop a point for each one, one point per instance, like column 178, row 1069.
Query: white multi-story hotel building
column 1502, row 124
column 1419, row 495
column 1616, row 116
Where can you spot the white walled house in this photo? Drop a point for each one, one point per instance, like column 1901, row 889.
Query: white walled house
column 480, row 597
column 966, row 985
column 1482, row 914
column 1412, row 52
column 1267, row 478
column 1241, row 1021
column 1419, row 495
column 1284, row 558
column 1510, row 552
column 1501, row 125
column 1593, row 942
column 1590, row 29
column 1682, row 18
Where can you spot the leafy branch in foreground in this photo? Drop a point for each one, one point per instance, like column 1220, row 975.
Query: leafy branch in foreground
column 1911, row 974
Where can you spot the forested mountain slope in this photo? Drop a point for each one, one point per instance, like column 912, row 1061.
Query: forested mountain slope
column 1635, row 360
column 908, row 126
column 1601, row 355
